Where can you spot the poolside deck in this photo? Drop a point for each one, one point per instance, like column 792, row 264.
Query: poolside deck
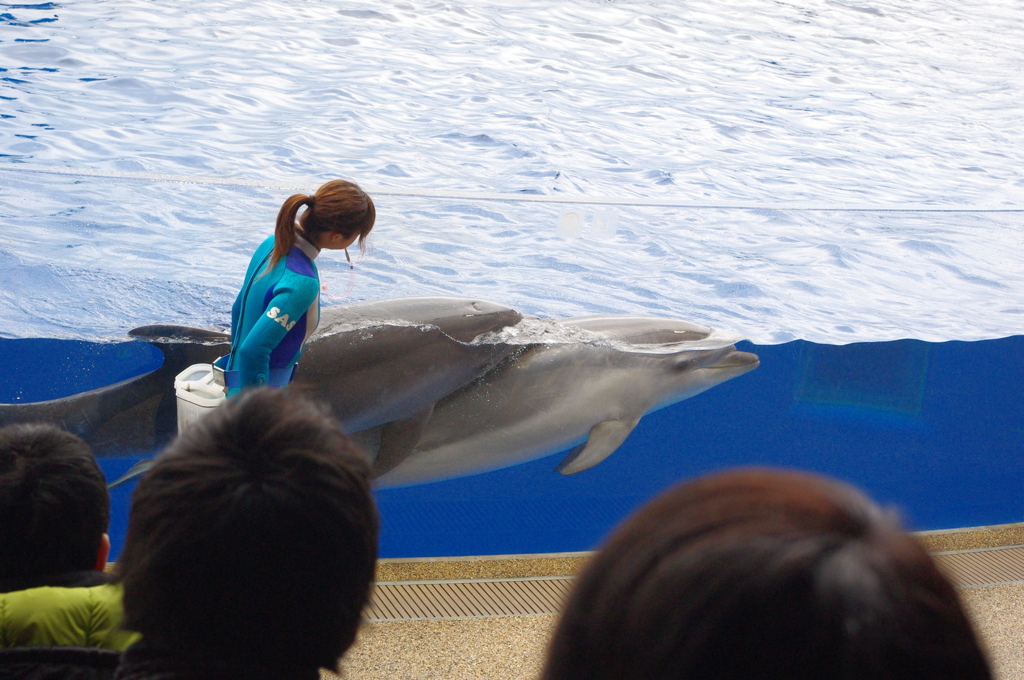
column 490, row 617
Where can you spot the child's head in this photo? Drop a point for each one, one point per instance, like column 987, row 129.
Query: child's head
column 764, row 575
column 54, row 507
column 335, row 216
column 253, row 539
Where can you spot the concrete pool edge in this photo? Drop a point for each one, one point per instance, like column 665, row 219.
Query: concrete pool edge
column 570, row 563
column 481, row 566
column 971, row 538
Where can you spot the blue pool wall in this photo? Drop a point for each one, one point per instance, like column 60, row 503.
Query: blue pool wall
column 934, row 430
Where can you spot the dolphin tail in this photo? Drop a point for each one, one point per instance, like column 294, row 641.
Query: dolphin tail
column 88, row 414
column 136, row 414
column 604, row 439
column 134, row 471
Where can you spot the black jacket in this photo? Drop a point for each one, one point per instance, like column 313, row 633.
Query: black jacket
column 147, row 661
column 58, row 663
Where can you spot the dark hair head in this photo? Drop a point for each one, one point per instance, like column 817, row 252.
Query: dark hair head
column 253, row 538
column 338, row 206
column 757, row 575
column 54, row 507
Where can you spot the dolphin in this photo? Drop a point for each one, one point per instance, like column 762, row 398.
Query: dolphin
column 372, row 362
column 391, row 360
column 136, row 415
column 586, row 393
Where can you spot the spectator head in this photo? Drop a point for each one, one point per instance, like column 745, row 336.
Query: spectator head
column 54, row 507
column 252, row 541
column 758, row 575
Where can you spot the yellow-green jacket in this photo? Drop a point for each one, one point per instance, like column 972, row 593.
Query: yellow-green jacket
column 64, row 616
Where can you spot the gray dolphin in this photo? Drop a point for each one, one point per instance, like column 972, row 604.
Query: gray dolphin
column 373, row 362
column 551, row 396
column 389, row 361
column 134, row 415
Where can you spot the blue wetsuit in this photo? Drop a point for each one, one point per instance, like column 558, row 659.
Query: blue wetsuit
column 273, row 315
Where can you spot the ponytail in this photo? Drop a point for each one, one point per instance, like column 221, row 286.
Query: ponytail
column 284, row 232
column 338, row 206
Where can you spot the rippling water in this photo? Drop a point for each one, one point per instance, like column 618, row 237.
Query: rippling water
column 832, row 103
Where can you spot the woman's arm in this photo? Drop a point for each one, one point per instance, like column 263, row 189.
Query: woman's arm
column 293, row 296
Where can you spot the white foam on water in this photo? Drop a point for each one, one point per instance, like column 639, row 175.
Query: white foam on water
column 532, row 331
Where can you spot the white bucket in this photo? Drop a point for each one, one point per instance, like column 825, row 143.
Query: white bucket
column 199, row 390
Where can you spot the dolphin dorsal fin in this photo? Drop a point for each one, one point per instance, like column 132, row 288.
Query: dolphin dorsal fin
column 173, row 333
column 604, row 439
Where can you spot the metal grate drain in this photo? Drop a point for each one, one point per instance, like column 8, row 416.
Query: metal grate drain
column 982, row 567
column 478, row 598
column 418, row 600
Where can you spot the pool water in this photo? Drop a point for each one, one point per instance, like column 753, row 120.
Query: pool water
column 178, row 130
column 935, row 430
column 840, row 182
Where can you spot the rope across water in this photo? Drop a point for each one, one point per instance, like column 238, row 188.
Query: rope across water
column 303, row 185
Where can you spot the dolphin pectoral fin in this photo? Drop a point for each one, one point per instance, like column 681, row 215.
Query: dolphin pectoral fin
column 134, row 471
column 604, row 439
column 398, row 439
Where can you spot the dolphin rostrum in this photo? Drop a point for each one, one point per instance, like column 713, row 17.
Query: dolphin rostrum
column 587, row 392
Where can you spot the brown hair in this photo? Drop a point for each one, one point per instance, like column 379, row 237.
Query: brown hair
column 252, row 541
column 54, row 507
column 758, row 575
column 338, row 207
